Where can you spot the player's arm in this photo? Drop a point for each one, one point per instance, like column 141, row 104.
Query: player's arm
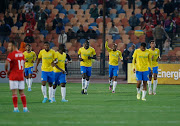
column 120, row 56
column 68, row 58
column 6, row 67
column 54, row 64
column 94, row 55
column 79, row 55
column 38, row 61
column 150, row 61
column 107, row 47
column 34, row 58
column 134, row 60
column 159, row 57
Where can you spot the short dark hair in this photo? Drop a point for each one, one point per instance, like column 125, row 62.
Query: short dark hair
column 28, row 44
column 47, row 43
column 61, row 46
column 152, row 41
column 14, row 43
column 143, row 44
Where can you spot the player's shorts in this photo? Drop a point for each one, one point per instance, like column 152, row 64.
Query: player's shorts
column 113, row 70
column 16, row 85
column 154, row 70
column 28, row 71
column 144, row 76
column 59, row 78
column 47, row 76
column 86, row 70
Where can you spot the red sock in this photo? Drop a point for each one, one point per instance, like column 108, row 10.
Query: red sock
column 15, row 100
column 23, row 99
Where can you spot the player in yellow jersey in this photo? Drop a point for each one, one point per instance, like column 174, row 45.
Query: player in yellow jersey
column 30, row 58
column 142, row 59
column 114, row 56
column 86, row 54
column 155, row 57
column 60, row 73
column 47, row 55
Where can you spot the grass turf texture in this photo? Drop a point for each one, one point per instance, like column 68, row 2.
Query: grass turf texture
column 100, row 107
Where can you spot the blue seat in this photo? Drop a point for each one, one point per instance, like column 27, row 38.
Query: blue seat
column 75, row 28
column 52, row 45
column 71, row 11
column 118, row 7
column 63, row 11
column 59, row 7
column 139, row 15
column 98, row 32
column 94, row 24
column 112, row 16
column 115, row 37
column 65, row 20
column 82, row 41
column 127, row 29
column 121, row 11
column 138, row 45
column 84, row 7
column 129, row 44
column 44, row 32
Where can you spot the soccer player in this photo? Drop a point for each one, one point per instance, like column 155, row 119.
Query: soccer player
column 141, row 60
column 30, row 58
column 16, row 75
column 155, row 57
column 114, row 56
column 60, row 73
column 86, row 54
column 47, row 55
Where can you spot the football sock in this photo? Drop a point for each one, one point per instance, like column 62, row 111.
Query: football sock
column 15, row 100
column 31, row 80
column 27, row 82
column 154, row 85
column 149, row 84
column 50, row 92
column 23, row 99
column 44, row 91
column 86, row 85
column 143, row 94
column 110, row 82
column 114, row 85
column 63, row 92
column 83, row 83
column 138, row 90
column 54, row 92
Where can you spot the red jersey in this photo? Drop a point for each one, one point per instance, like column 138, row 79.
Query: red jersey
column 149, row 29
column 16, row 59
column 29, row 32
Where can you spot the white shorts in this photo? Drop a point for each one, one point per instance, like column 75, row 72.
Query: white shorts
column 16, row 85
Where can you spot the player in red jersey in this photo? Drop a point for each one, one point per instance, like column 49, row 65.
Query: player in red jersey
column 16, row 75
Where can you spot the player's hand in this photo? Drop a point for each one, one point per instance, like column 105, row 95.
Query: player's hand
column 151, row 72
column 64, row 72
column 89, row 57
column 81, row 59
column 134, row 70
column 8, row 72
column 32, row 61
column 26, row 60
column 36, row 70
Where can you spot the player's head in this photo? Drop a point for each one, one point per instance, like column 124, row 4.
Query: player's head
column 62, row 48
column 86, row 44
column 28, row 47
column 143, row 46
column 114, row 46
column 47, row 46
column 152, row 44
column 12, row 46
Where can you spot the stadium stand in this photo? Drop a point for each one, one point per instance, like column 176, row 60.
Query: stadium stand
column 73, row 15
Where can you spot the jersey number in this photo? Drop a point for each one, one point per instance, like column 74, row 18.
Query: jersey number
column 21, row 64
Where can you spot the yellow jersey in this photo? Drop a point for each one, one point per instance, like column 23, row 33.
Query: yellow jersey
column 85, row 53
column 29, row 57
column 142, row 60
column 155, row 55
column 47, row 59
column 113, row 55
column 61, row 61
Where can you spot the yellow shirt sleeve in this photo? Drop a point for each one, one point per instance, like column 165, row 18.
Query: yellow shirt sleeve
column 120, row 55
column 134, row 58
column 150, row 60
column 79, row 51
column 34, row 55
column 93, row 52
column 40, row 55
column 106, row 46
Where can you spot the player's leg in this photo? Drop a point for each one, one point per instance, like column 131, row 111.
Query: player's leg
column 150, row 82
column 43, row 87
column 63, row 87
column 23, row 98
column 56, row 82
column 30, row 78
column 110, row 77
column 50, row 81
column 88, row 74
column 139, row 80
column 83, row 72
column 26, row 76
column 145, row 79
column 155, row 72
column 115, row 74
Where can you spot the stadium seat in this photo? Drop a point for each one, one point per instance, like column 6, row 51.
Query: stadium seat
column 87, row 11
column 117, row 41
column 100, row 6
column 118, row 7
column 50, row 7
column 113, row 11
column 127, row 29
column 59, row 7
column 14, row 29
column 67, row 7
column 44, row 32
column 65, row 20
column 112, row 16
column 108, row 20
column 74, row 21
column 91, row 20
column 55, row 11
column 63, row 11
column 55, row 3
column 71, row 11
column 98, row 20
column 84, row 7
column 94, row 24
column 87, row 16
column 76, row 7
column 80, row 11
column 82, row 20
column 61, row 15
column 115, row 37
column 46, row 2
column 75, row 29
column 121, row 16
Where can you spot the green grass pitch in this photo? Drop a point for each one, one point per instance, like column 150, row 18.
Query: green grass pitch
column 99, row 108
